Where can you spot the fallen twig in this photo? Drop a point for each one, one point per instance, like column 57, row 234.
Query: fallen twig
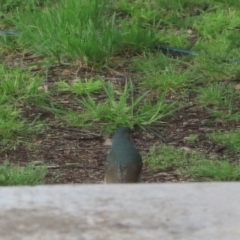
column 155, row 133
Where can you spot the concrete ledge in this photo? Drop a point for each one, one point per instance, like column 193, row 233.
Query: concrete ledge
column 193, row 211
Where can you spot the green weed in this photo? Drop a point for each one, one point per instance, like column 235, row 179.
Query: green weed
column 218, row 171
column 80, row 87
column 229, row 138
column 166, row 158
column 16, row 175
column 126, row 109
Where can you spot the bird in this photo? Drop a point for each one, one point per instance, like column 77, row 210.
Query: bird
column 124, row 162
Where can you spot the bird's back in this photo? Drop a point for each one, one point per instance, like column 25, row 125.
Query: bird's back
column 124, row 163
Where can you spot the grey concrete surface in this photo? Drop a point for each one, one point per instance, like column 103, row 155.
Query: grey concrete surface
column 206, row 211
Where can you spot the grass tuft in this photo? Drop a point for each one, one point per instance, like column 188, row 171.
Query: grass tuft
column 15, row 175
column 126, row 109
column 80, row 87
column 231, row 139
column 218, row 171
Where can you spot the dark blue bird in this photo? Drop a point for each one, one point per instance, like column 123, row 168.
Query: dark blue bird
column 124, row 162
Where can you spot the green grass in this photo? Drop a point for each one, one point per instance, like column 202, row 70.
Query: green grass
column 14, row 128
column 223, row 99
column 78, row 30
column 160, row 72
column 80, row 87
column 230, row 139
column 191, row 164
column 218, row 171
column 18, row 89
column 167, row 158
column 9, row 5
column 15, row 175
column 21, row 86
column 97, row 41
column 192, row 138
column 121, row 108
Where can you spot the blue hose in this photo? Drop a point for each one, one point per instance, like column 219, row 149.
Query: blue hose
column 175, row 50
column 10, row 33
column 189, row 52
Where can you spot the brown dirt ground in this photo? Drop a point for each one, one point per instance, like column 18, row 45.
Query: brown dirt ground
column 75, row 155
